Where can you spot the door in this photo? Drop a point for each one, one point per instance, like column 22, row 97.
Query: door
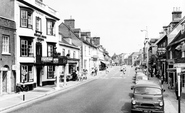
column 4, row 81
column 38, row 75
column 38, row 52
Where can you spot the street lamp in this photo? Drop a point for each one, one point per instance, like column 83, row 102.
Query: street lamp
column 146, row 48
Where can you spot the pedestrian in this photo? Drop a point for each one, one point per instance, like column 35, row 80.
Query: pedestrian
column 176, row 89
column 170, row 83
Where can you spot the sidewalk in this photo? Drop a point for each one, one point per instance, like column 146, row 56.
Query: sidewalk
column 11, row 101
column 170, row 95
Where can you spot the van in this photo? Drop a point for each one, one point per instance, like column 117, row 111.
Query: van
column 147, row 97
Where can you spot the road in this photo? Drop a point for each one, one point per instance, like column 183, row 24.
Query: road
column 108, row 94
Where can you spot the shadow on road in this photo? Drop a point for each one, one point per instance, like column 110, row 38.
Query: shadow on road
column 126, row 107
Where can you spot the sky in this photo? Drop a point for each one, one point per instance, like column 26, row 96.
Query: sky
column 118, row 23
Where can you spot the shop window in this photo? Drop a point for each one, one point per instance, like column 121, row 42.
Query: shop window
column 26, row 18
column 26, row 47
column 50, row 27
column 51, row 70
column 38, row 24
column 5, row 44
column 26, row 73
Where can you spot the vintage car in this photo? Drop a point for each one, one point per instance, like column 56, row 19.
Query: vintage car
column 147, row 97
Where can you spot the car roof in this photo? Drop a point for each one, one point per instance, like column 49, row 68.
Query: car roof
column 147, row 83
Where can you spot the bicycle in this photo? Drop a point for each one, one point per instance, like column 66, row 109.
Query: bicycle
column 21, row 88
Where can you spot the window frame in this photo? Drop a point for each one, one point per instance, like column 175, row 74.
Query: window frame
column 50, row 74
column 27, row 47
column 5, row 47
column 52, row 28
column 28, row 18
column 38, row 24
column 27, row 74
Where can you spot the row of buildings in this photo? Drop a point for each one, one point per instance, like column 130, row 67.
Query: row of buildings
column 165, row 54
column 35, row 46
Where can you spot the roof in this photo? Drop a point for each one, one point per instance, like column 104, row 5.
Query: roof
column 147, row 83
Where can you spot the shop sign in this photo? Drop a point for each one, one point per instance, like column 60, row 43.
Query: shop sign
column 46, row 59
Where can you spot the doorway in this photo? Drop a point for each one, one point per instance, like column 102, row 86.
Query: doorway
column 38, row 76
column 4, row 78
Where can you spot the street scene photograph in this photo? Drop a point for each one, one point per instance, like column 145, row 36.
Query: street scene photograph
column 92, row 56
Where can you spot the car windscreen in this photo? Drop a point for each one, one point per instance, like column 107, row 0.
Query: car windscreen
column 147, row 90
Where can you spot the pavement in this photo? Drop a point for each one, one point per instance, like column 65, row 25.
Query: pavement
column 171, row 104
column 8, row 102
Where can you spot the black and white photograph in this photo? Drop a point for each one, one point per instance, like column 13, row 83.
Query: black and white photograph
column 92, row 56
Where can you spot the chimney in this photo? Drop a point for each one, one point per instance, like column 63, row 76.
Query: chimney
column 176, row 14
column 70, row 23
column 96, row 40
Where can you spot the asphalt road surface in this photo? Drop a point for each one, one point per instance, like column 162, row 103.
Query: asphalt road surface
column 108, row 94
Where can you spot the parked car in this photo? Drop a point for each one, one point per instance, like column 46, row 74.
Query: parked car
column 147, row 97
column 140, row 76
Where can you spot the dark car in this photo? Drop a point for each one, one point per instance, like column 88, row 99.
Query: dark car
column 147, row 97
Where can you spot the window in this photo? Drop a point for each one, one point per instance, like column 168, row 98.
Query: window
column 26, row 73
column 38, row 24
column 26, row 48
column 51, row 70
column 26, row 18
column 50, row 27
column 63, row 52
column 69, row 53
column 50, row 50
column 74, row 54
column 5, row 44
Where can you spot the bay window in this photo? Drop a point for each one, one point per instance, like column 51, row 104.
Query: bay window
column 26, row 73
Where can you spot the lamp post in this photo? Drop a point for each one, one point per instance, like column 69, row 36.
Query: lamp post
column 146, row 49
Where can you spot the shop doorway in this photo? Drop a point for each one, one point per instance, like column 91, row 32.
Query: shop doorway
column 38, row 76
